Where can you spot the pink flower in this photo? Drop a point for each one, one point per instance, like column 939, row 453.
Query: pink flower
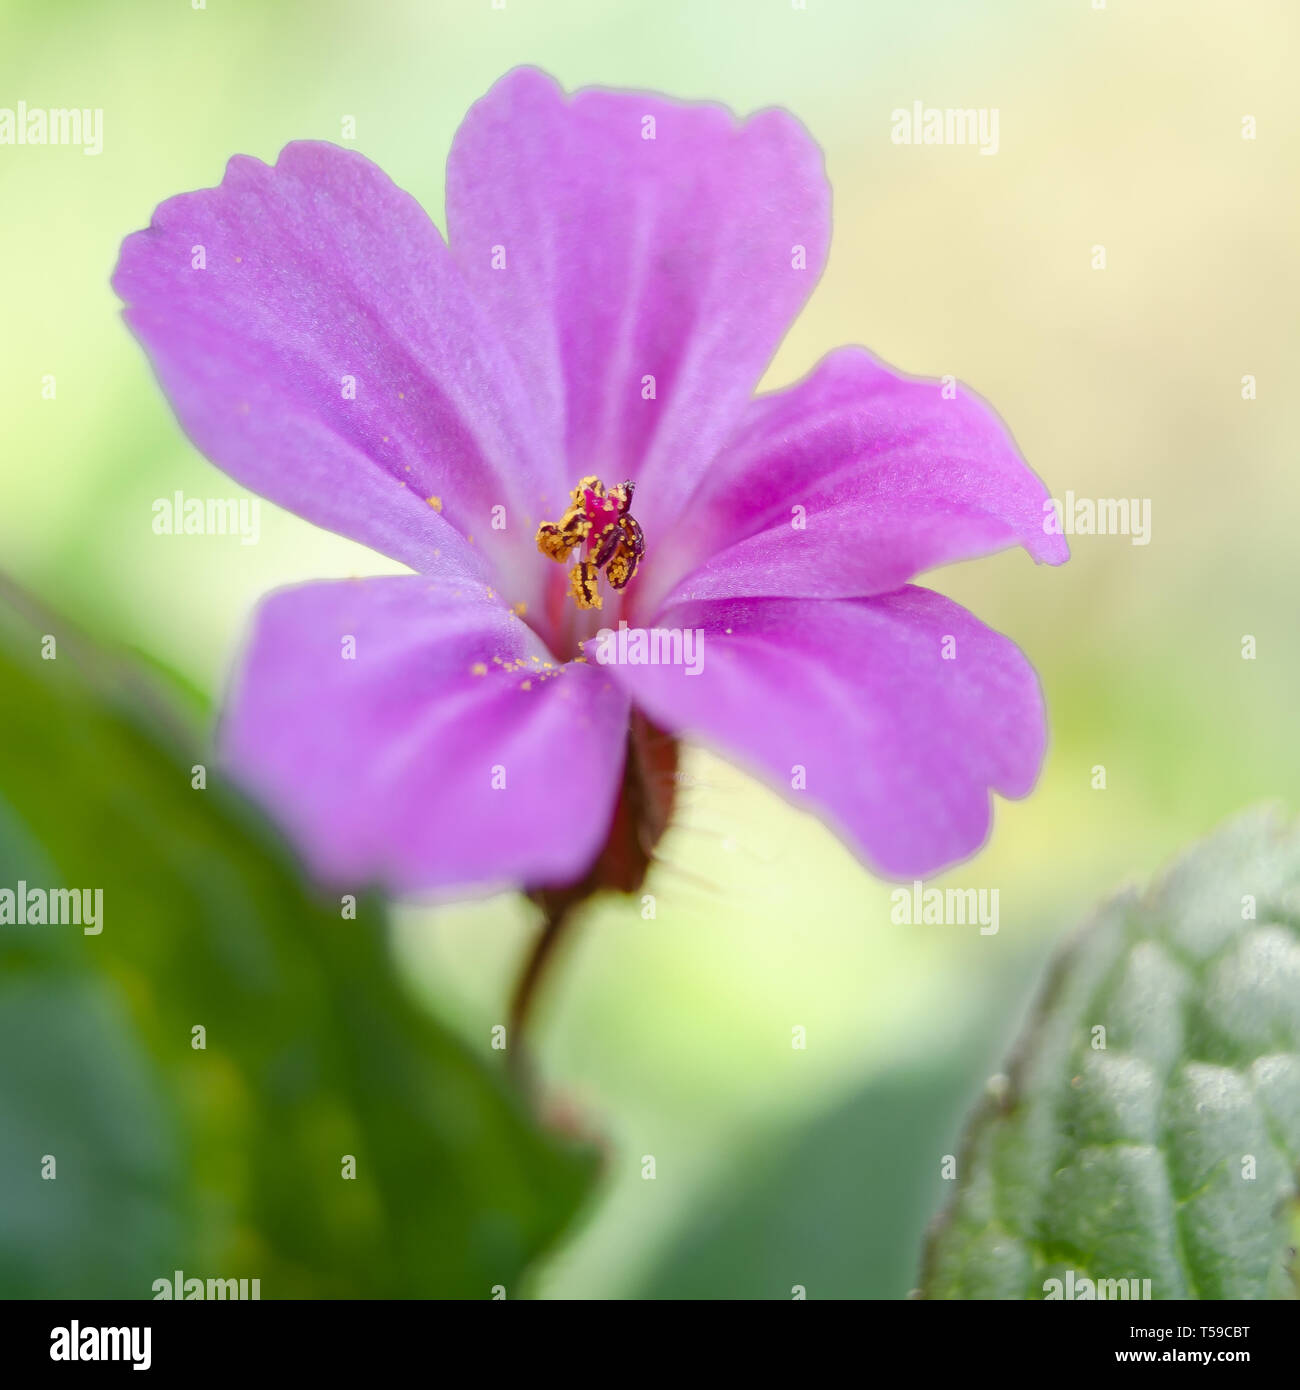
column 618, row 272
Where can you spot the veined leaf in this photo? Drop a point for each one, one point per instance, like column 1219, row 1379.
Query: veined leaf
column 1148, row 1126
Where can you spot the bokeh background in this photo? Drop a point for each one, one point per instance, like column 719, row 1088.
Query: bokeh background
column 1121, row 127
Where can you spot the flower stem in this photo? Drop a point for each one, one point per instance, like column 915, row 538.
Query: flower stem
column 639, row 818
column 557, row 915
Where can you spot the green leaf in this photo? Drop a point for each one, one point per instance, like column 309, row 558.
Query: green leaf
column 1168, row 1147
column 225, row 1161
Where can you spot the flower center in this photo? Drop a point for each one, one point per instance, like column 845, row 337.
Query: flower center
column 600, row 525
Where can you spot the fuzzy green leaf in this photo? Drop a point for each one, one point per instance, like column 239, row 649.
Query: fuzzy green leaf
column 1148, row 1126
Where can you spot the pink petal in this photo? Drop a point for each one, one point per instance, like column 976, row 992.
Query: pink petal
column 628, row 257
column 382, row 766
column 899, row 746
column 852, row 482
column 319, row 269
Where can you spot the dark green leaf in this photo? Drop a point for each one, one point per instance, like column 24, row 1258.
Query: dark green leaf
column 227, row 1161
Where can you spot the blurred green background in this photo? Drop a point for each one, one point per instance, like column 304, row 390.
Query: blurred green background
column 1119, row 127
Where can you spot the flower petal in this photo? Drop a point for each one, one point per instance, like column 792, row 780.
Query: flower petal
column 442, row 755
column 265, row 302
column 641, row 237
column 899, row 743
column 850, row 483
